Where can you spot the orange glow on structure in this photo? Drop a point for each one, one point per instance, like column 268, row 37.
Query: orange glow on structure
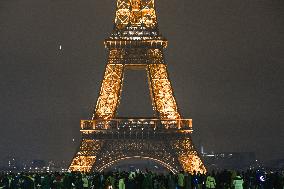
column 110, row 92
column 188, row 156
column 82, row 163
column 162, row 92
column 136, row 43
column 86, row 156
column 136, row 13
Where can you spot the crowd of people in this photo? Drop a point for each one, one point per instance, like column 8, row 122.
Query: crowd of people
column 143, row 180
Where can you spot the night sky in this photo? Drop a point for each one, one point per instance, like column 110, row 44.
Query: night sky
column 225, row 61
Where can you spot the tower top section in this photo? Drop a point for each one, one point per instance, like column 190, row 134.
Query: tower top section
column 135, row 13
column 135, row 26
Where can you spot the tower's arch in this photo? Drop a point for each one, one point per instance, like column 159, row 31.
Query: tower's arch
column 160, row 162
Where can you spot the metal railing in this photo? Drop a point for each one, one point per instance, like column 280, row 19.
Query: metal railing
column 129, row 124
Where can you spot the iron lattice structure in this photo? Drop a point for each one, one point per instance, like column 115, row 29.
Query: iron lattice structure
column 136, row 43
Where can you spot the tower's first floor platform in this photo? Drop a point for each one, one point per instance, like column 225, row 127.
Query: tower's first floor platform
column 167, row 142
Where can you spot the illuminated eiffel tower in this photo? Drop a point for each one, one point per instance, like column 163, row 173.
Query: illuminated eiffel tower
column 136, row 43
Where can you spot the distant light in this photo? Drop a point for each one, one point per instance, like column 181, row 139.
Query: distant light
column 60, row 47
column 262, row 179
column 73, row 139
column 210, row 155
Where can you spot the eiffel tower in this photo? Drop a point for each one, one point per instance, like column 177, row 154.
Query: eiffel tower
column 136, row 43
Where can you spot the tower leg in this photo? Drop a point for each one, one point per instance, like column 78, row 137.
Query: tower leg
column 110, row 92
column 162, row 92
column 86, row 156
column 188, row 156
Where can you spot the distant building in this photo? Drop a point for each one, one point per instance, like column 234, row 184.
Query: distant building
column 38, row 163
column 10, row 164
column 277, row 164
column 229, row 160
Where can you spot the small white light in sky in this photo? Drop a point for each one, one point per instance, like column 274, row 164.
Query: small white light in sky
column 60, row 47
column 73, row 139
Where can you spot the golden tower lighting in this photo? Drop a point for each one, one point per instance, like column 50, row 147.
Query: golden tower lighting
column 136, row 43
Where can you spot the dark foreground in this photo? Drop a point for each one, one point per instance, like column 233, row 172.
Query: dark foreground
column 143, row 180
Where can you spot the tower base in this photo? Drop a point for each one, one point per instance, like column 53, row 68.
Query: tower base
column 169, row 146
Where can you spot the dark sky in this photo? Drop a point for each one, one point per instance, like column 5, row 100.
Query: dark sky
column 225, row 60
